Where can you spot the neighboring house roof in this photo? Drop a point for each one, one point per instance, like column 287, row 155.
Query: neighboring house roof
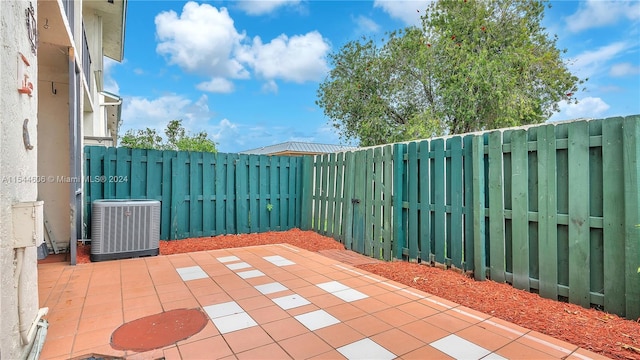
column 297, row 148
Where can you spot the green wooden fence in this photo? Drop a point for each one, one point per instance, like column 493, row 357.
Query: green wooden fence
column 201, row 194
column 550, row 207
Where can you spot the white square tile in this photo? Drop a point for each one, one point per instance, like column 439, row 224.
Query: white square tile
column 223, row 309
column 290, row 301
column 459, row 348
column 238, row 266
column 349, row 295
column 250, row 274
column 227, row 324
column 227, row 259
column 270, row 288
column 332, row 286
column 278, row 260
column 317, row 319
column 365, row 349
column 191, row 273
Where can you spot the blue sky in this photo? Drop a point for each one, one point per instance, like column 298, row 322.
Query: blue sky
column 247, row 72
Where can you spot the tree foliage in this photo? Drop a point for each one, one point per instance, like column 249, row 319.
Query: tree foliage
column 177, row 138
column 474, row 65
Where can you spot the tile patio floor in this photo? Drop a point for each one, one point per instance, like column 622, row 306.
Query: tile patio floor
column 273, row 302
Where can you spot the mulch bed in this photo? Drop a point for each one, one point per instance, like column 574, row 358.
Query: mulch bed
column 594, row 330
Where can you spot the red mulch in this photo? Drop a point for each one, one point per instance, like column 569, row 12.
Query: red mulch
column 594, row 330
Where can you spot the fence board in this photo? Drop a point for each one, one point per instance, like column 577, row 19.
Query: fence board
column 398, row 191
column 388, row 195
column 339, row 210
column 377, row 203
column 631, row 158
column 479, row 246
column 520, row 208
column 440, row 226
column 412, row 213
column 496, row 206
column 547, row 212
column 455, row 182
column 425, row 208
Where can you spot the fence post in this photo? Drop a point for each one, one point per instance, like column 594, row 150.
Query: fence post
column 399, row 240
column 306, row 200
column 631, row 145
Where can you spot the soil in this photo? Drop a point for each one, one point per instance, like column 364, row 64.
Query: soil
column 591, row 329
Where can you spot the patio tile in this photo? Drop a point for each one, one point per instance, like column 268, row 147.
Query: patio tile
column 345, row 311
column 326, row 300
column 459, row 348
column 393, row 299
column 268, row 314
column 209, row 331
column 303, row 309
column 397, row 341
column 189, row 303
column 332, row 354
column 140, row 312
column 547, row 344
column 238, row 266
column 247, row 339
column 254, row 302
column 192, row 273
column 317, row 319
column 171, row 353
column 226, row 259
column 91, row 339
column 284, row 328
column 350, row 295
column 214, row 347
column 447, row 322
column 516, row 350
column 267, row 352
column 278, row 260
column 417, row 309
column 305, row 346
column 426, row 352
column 243, row 293
column 110, row 321
column 370, row 304
column 201, row 283
column 290, row 301
column 332, row 286
column 339, row 335
column 424, row 331
column 365, row 349
column 57, row 347
column 394, row 317
column 478, row 335
column 223, row 309
column 250, row 274
column 368, row 325
column 270, row 288
column 229, row 323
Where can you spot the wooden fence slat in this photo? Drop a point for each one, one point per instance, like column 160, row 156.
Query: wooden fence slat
column 349, row 189
column 631, row 159
column 219, row 163
column 377, row 203
column 167, row 198
column 467, row 162
column 388, row 195
column 425, row 205
column 579, row 259
column 520, row 209
column 437, row 147
column 547, row 213
column 262, row 178
column 283, row 201
column 331, row 195
column 496, row 208
column 123, row 167
column 195, row 208
column 479, row 249
column 359, row 202
column 242, row 183
column 412, row 213
column 613, row 187
column 339, row 200
column 455, row 182
column 367, row 202
column 208, row 198
column 306, row 198
column 296, row 184
column 399, row 240
column 137, row 179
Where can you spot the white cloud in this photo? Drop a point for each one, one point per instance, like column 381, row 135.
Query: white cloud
column 201, row 40
column 216, row 85
column 598, row 13
column 140, row 112
column 591, row 62
column 409, row 11
column 270, row 87
column 624, row 69
column 589, row 107
column 366, row 25
column 298, row 58
column 261, row 7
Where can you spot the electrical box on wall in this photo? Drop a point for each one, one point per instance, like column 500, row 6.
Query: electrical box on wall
column 28, row 224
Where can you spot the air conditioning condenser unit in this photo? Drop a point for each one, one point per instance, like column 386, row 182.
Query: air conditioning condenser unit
column 124, row 229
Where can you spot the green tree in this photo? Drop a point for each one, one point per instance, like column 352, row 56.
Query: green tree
column 177, row 138
column 474, row 65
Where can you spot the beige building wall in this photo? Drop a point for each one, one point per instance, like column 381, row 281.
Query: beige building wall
column 17, row 166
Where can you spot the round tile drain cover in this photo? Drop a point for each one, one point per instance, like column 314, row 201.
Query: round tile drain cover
column 159, row 330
